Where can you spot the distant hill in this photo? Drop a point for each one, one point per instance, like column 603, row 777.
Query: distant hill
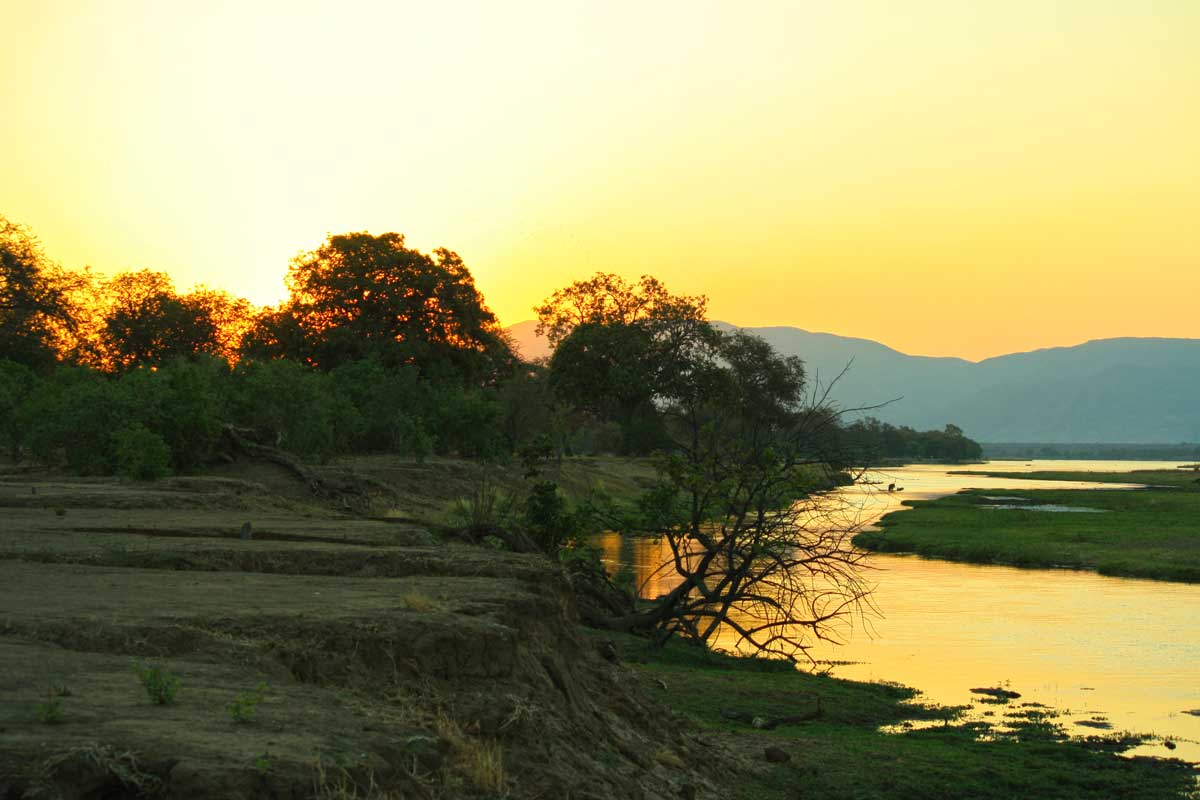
column 1108, row 390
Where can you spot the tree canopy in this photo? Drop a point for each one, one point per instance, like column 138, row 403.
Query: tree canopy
column 145, row 322
column 37, row 306
column 617, row 345
column 608, row 299
column 359, row 296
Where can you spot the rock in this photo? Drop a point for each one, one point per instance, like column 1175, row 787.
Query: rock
column 1169, row 744
column 776, row 755
column 758, row 722
column 608, row 651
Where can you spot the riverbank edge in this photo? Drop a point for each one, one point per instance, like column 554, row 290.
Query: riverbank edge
column 818, row 731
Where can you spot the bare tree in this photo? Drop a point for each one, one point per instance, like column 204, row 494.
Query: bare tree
column 760, row 547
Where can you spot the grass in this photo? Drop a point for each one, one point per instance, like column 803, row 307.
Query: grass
column 1145, row 533
column 842, row 754
column 1156, row 477
column 479, row 760
column 50, row 710
column 416, row 601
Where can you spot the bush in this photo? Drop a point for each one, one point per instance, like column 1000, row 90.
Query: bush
column 546, row 517
column 160, row 684
column 293, row 403
column 141, row 454
column 244, row 706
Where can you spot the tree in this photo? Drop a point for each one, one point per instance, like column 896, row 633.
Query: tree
column 16, row 384
column 145, row 322
column 757, row 546
column 608, row 299
column 615, row 344
column 293, row 407
column 610, row 371
column 37, row 306
column 360, row 296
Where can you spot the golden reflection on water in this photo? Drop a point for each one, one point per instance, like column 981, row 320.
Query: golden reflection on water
column 1122, row 649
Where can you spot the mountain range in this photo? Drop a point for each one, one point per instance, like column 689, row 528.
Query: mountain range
column 1107, row 390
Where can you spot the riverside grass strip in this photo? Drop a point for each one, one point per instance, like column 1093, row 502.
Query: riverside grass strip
column 1141, row 533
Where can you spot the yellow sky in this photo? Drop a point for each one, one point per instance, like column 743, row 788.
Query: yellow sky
column 948, row 177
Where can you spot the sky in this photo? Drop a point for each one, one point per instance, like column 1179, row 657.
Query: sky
column 947, row 177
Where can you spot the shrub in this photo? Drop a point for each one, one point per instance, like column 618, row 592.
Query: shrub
column 160, row 683
column 141, row 454
column 244, row 706
column 546, row 517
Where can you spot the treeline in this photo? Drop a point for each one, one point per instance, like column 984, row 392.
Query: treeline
column 871, row 440
column 1183, row 451
column 377, row 348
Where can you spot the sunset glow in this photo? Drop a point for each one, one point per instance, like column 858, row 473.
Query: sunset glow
column 948, row 178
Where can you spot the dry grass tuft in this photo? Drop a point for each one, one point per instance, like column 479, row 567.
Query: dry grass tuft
column 336, row 784
column 480, row 761
column 668, row 758
column 415, row 601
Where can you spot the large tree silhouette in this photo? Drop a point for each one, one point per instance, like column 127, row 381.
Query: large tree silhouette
column 145, row 322
column 37, row 307
column 360, row 296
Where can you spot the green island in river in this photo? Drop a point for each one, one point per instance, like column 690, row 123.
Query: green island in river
column 1151, row 532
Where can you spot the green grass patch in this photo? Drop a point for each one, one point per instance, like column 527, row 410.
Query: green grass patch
column 1143, row 533
column 1157, row 477
column 841, row 753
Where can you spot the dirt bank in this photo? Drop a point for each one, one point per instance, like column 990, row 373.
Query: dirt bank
column 373, row 659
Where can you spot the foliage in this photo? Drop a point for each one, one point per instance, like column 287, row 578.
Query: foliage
column 160, row 683
column 607, row 299
column 145, row 322
column 141, row 454
column 360, row 296
column 194, row 405
column 16, row 383
column 869, row 439
column 617, row 347
column 71, row 416
column 755, row 549
column 487, row 505
column 38, row 309
column 294, row 406
column 547, row 519
column 244, row 706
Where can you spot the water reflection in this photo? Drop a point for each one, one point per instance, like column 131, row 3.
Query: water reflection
column 1126, row 650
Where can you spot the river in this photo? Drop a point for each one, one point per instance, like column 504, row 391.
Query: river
column 1122, row 650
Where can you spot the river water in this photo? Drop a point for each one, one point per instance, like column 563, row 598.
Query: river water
column 1120, row 650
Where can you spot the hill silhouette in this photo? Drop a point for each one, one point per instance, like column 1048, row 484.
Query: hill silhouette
column 1107, row 390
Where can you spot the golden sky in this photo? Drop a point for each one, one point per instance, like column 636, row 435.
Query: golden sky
column 947, row 177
